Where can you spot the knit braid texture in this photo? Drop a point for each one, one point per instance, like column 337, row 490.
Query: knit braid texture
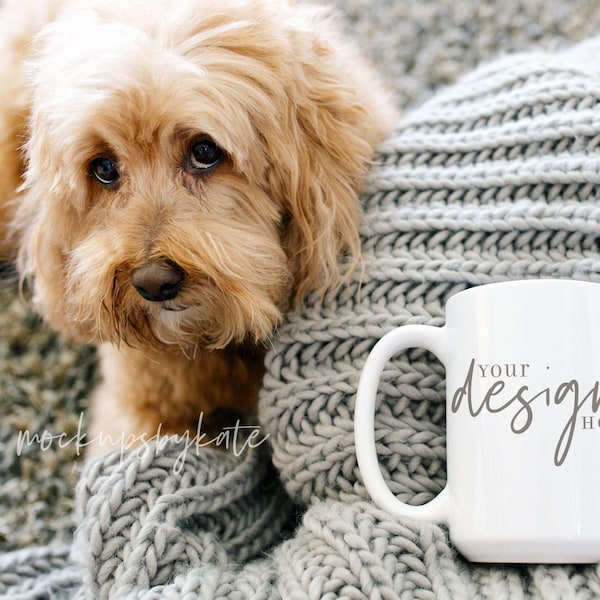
column 495, row 178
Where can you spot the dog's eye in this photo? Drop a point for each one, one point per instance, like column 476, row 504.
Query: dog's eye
column 104, row 170
column 205, row 155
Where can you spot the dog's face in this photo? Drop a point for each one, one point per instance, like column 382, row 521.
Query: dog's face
column 191, row 170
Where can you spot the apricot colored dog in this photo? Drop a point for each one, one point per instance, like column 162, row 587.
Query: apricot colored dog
column 176, row 175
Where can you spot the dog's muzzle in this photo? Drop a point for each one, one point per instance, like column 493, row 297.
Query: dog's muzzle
column 158, row 281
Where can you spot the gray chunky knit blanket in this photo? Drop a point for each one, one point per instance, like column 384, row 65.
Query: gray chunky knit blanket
column 495, row 178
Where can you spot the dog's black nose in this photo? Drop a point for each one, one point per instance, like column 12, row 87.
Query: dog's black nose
column 158, row 281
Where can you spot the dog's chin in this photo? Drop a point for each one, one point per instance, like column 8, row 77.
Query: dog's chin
column 209, row 320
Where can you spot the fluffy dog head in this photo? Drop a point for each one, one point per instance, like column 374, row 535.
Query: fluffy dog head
column 192, row 167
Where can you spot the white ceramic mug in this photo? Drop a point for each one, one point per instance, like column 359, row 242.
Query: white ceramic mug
column 522, row 363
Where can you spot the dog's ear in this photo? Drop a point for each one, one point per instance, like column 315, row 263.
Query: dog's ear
column 337, row 113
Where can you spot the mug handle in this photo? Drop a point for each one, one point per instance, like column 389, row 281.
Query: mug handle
column 434, row 339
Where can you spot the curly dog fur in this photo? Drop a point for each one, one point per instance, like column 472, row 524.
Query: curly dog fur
column 175, row 176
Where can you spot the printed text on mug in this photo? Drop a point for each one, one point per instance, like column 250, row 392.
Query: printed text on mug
column 497, row 398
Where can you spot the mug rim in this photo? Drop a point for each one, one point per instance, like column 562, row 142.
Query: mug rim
column 483, row 288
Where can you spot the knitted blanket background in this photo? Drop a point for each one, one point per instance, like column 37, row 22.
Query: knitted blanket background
column 495, row 178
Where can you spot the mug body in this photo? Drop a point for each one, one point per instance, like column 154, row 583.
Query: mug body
column 523, row 421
